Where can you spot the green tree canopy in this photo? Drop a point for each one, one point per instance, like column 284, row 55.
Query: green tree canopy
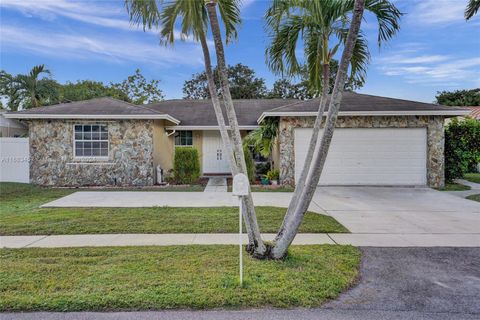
column 288, row 88
column 23, row 91
column 88, row 89
column 459, row 97
column 244, row 84
column 139, row 90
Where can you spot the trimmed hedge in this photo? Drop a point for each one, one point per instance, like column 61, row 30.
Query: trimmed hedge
column 186, row 165
column 462, row 147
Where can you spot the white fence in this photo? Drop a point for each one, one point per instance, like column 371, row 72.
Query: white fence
column 14, row 160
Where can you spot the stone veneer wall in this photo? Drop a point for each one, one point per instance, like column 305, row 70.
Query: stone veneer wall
column 130, row 160
column 435, row 140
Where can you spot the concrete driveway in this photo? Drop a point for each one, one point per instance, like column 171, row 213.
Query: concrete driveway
column 399, row 210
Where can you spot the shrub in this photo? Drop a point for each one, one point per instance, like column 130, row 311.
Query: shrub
column 186, row 165
column 250, row 164
column 273, row 174
column 462, row 147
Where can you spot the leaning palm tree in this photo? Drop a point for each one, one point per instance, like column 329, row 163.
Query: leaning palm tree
column 472, row 8
column 31, row 85
column 231, row 8
column 194, row 16
column 323, row 27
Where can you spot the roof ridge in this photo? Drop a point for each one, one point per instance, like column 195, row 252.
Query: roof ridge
column 287, row 105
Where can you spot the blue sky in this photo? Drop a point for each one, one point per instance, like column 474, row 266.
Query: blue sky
column 435, row 49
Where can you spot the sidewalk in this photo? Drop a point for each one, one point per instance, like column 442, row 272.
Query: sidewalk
column 355, row 239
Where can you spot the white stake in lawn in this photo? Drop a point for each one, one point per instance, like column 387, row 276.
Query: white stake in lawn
column 240, row 189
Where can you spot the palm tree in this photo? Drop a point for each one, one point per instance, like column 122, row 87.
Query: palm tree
column 257, row 248
column 472, row 8
column 194, row 16
column 263, row 139
column 31, row 85
column 318, row 23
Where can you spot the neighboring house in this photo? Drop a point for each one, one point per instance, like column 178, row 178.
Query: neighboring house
column 10, row 128
column 474, row 112
column 379, row 141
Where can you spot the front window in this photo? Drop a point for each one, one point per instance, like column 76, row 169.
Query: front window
column 91, row 140
column 184, row 138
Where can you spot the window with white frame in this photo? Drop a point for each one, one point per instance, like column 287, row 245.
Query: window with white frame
column 91, row 140
column 183, row 139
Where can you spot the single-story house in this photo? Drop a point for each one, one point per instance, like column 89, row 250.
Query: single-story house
column 378, row 141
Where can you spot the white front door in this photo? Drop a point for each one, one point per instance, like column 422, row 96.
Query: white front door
column 214, row 157
column 370, row 156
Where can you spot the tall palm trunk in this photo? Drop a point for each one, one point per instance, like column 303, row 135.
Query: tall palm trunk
column 212, row 87
column 256, row 247
column 318, row 163
column 300, row 184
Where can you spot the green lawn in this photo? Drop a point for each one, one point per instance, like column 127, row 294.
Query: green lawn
column 473, row 177
column 153, row 278
column 474, row 197
column 20, row 215
column 454, row 187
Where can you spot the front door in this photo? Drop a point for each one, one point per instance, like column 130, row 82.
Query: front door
column 215, row 159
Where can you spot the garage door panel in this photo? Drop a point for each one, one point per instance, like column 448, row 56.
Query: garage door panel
column 370, row 156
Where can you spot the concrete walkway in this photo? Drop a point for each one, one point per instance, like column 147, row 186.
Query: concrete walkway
column 359, row 239
column 216, row 184
column 475, row 189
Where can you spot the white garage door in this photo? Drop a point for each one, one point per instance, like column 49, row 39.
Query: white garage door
column 370, row 156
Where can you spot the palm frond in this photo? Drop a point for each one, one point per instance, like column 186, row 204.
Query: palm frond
column 230, row 15
column 388, row 18
column 143, row 13
column 472, row 8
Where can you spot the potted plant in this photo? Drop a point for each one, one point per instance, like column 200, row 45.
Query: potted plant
column 273, row 176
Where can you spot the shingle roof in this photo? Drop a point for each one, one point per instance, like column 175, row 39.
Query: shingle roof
column 352, row 101
column 201, row 113
column 98, row 108
column 364, row 104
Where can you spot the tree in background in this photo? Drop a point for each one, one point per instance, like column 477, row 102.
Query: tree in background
column 284, row 88
column 25, row 91
column 28, row 90
column 10, row 91
column 472, row 8
column 88, row 89
column 139, row 90
column 459, row 97
column 243, row 84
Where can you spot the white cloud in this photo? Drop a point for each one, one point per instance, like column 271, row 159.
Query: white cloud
column 428, row 12
column 81, row 46
column 247, row 3
column 414, row 66
column 401, row 59
column 88, row 12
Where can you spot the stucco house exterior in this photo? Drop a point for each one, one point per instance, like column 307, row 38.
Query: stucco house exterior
column 378, row 141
